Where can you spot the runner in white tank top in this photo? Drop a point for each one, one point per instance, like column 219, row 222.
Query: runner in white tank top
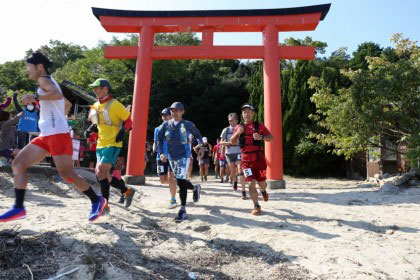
column 54, row 139
column 52, row 119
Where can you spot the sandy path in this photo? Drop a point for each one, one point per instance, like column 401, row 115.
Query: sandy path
column 315, row 229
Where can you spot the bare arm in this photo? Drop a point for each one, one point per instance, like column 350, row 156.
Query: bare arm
column 235, row 137
column 53, row 93
column 67, row 106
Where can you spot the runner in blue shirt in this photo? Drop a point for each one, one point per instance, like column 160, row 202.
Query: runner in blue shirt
column 163, row 168
column 176, row 134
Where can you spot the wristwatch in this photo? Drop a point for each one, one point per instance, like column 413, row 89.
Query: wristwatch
column 36, row 96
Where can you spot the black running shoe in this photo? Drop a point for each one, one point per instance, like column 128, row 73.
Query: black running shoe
column 182, row 216
column 197, row 193
column 122, row 199
column 129, row 197
column 264, row 195
column 244, row 195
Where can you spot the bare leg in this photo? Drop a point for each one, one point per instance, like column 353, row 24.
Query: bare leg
column 262, row 185
column 190, row 167
column 163, row 179
column 232, row 168
column 64, row 164
column 172, row 184
column 206, row 169
column 242, row 177
column 253, row 192
column 28, row 156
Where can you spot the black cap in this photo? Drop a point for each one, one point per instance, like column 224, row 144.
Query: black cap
column 247, row 105
column 165, row 112
column 177, row 105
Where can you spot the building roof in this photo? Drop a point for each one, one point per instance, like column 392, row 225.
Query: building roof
column 77, row 91
column 323, row 9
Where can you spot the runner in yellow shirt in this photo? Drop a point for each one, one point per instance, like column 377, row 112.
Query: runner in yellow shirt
column 112, row 120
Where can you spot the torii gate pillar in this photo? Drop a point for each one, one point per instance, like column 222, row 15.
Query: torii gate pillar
column 272, row 107
column 140, row 108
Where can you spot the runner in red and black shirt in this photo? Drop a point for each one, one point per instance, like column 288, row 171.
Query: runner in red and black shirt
column 251, row 136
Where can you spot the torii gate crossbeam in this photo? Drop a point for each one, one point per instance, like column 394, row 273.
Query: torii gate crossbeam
column 268, row 21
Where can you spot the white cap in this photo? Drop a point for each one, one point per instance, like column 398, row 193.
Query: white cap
column 204, row 139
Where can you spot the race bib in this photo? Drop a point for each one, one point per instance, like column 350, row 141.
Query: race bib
column 160, row 169
column 180, row 172
column 248, row 172
column 239, row 157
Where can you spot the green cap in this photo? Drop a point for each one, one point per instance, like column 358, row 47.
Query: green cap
column 101, row 83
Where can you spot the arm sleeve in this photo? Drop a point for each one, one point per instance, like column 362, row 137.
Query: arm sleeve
column 6, row 104
column 128, row 124
column 155, row 140
column 13, row 121
column 161, row 136
column 194, row 131
column 223, row 134
column 16, row 102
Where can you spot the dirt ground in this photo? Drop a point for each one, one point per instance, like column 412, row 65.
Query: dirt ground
column 314, row 229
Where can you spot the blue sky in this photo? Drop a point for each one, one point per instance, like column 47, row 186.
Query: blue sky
column 26, row 24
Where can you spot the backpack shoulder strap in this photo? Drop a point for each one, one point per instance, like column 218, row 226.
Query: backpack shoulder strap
column 256, row 127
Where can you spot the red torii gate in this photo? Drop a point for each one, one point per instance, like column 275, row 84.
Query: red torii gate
column 268, row 21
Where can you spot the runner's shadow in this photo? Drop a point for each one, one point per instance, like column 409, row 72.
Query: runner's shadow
column 286, row 225
column 353, row 197
column 229, row 247
column 218, row 217
column 354, row 224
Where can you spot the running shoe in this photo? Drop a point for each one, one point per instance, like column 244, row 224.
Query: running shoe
column 264, row 195
column 182, row 216
column 172, row 204
column 196, row 193
column 97, row 209
column 13, row 214
column 235, row 186
column 129, row 197
column 256, row 211
column 122, row 199
column 107, row 211
column 202, row 179
column 244, row 195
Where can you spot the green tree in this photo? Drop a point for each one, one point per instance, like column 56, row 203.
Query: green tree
column 13, row 76
column 382, row 103
column 255, row 89
column 364, row 50
column 60, row 53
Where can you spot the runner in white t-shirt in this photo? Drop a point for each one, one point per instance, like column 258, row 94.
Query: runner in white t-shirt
column 233, row 154
column 54, row 139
